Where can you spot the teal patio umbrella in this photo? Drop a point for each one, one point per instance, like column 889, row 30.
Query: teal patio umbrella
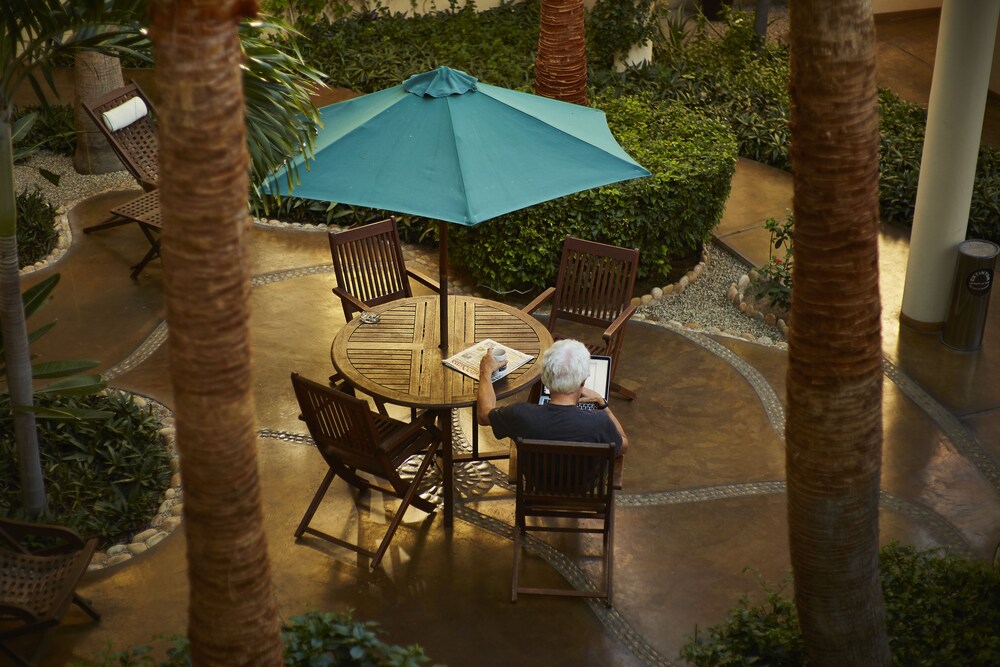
column 445, row 146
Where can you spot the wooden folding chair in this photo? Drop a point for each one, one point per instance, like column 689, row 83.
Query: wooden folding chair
column 565, row 480
column 353, row 439
column 136, row 146
column 369, row 266
column 37, row 583
column 594, row 287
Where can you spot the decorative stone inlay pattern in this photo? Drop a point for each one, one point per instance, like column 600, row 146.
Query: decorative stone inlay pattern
column 144, row 351
column 772, row 404
column 965, row 442
column 277, row 276
column 610, row 618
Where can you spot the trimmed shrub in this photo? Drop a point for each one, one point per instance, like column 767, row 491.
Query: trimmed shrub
column 36, row 227
column 667, row 215
column 102, row 477
column 368, row 51
column 940, row 610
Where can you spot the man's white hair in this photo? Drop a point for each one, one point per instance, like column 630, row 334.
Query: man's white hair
column 565, row 366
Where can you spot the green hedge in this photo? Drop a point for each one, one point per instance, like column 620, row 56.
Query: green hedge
column 940, row 610
column 667, row 216
column 368, row 51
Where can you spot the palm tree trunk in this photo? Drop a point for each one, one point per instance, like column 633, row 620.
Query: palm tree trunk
column 94, row 75
column 233, row 618
column 561, row 63
column 834, row 435
column 15, row 333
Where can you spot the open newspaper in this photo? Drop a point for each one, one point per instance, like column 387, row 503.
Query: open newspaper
column 467, row 361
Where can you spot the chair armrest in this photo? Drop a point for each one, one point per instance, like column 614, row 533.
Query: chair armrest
column 424, row 279
column 13, row 533
column 351, row 299
column 539, row 300
column 618, row 323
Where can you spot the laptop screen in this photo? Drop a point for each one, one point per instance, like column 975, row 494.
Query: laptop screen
column 599, row 379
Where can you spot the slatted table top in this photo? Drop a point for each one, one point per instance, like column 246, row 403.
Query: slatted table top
column 398, row 358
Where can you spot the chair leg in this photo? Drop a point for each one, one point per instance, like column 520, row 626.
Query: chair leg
column 624, row 392
column 85, row 606
column 113, row 221
column 401, row 510
column 517, row 562
column 320, row 492
column 609, row 559
column 16, row 657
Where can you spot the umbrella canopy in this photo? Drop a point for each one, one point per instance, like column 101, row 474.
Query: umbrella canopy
column 443, row 145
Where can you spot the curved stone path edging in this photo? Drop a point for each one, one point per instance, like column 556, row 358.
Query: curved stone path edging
column 474, row 482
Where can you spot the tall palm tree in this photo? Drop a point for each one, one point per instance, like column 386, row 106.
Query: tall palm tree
column 834, row 435
column 232, row 616
column 561, row 62
column 32, row 34
column 94, row 74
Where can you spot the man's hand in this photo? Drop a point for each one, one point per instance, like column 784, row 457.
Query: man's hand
column 588, row 395
column 488, row 366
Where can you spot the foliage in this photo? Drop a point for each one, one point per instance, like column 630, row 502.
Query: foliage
column 733, row 77
column 52, row 130
column 667, row 215
column 776, row 276
column 614, row 26
column 902, row 144
column 368, row 51
column 34, row 298
column 103, row 477
column 36, row 227
column 281, row 119
column 940, row 610
column 311, row 640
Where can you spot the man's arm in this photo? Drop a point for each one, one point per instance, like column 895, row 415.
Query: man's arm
column 590, row 396
column 486, row 398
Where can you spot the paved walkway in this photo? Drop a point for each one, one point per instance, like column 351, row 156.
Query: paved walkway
column 704, row 496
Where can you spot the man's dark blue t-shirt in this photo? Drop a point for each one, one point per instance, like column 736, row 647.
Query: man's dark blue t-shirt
column 554, row 422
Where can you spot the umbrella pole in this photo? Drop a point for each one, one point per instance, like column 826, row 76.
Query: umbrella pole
column 443, row 278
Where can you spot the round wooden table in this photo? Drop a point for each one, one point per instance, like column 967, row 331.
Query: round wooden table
column 399, row 359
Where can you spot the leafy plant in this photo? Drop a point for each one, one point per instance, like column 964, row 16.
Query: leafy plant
column 311, row 639
column 370, row 50
column 36, row 227
column 614, row 26
column 47, row 128
column 776, row 276
column 103, row 477
column 73, row 385
column 667, row 215
column 940, row 610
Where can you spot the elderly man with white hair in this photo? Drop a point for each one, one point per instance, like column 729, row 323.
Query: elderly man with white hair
column 565, row 367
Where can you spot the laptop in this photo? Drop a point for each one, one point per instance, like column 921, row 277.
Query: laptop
column 599, row 380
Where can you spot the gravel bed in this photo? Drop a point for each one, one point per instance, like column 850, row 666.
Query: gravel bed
column 72, row 186
column 704, row 301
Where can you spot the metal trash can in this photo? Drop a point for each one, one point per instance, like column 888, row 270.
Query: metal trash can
column 970, row 295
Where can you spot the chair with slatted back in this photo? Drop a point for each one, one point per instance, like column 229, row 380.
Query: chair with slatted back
column 369, row 266
column 556, row 481
column 40, row 567
column 370, row 270
column 353, row 440
column 594, row 287
column 125, row 117
column 131, row 131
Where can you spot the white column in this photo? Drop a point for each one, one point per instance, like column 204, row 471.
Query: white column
column 951, row 144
